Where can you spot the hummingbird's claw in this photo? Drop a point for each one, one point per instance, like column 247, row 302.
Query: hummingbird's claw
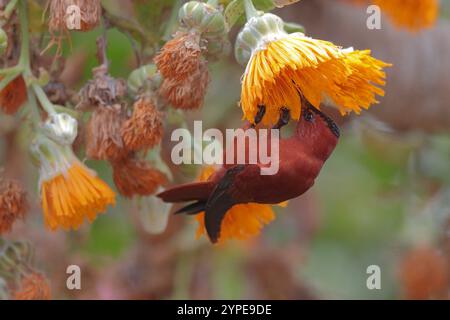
column 260, row 115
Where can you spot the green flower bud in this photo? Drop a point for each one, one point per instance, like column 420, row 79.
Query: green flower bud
column 138, row 77
column 257, row 32
column 203, row 17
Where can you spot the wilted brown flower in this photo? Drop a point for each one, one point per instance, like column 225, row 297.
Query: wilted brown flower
column 189, row 93
column 103, row 90
column 33, row 286
column 425, row 274
column 180, row 56
column 62, row 16
column 13, row 96
column 103, row 133
column 134, row 177
column 184, row 69
column 13, row 204
column 144, row 129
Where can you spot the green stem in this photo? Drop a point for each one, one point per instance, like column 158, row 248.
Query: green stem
column 250, row 10
column 173, row 20
column 9, row 9
column 43, row 99
column 32, row 103
column 6, row 80
column 24, row 60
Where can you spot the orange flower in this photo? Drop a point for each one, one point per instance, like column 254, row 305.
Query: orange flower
column 144, row 129
column 13, row 96
column 33, row 286
column 70, row 192
column 134, row 177
column 425, row 274
column 13, row 204
column 283, row 67
column 241, row 222
column 412, row 14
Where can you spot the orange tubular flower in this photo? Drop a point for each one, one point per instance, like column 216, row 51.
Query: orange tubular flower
column 241, row 222
column 411, row 14
column 282, row 67
column 70, row 192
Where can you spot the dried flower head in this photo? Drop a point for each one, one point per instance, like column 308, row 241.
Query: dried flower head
column 77, row 15
column 144, row 129
column 13, row 204
column 101, row 91
column 134, row 177
column 187, row 94
column 180, row 57
column 425, row 274
column 13, row 96
column 185, row 71
column 33, row 286
column 103, row 133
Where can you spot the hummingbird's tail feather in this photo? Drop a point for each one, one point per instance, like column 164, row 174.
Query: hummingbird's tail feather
column 219, row 202
column 198, row 191
column 193, row 208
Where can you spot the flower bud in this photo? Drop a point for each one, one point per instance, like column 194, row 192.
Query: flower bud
column 257, row 32
column 62, row 128
column 203, row 17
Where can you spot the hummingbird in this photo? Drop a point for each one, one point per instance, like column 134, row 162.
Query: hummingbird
column 301, row 158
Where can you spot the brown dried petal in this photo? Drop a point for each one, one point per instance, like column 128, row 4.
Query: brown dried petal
column 180, row 57
column 144, row 129
column 103, row 134
column 187, row 94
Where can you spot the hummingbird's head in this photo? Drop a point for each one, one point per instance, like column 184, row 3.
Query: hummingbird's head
column 317, row 130
column 316, row 120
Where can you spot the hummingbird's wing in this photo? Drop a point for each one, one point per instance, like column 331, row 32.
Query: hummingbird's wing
column 188, row 192
column 219, row 202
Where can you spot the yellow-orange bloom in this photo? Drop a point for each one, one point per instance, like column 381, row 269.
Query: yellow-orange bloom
column 412, row 14
column 241, row 222
column 70, row 192
column 283, row 67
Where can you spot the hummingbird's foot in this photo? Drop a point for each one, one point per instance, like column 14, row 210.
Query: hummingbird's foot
column 285, row 117
column 259, row 115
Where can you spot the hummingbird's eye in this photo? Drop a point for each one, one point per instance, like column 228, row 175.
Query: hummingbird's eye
column 309, row 116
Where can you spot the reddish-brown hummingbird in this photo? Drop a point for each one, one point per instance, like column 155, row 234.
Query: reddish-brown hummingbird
column 301, row 158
